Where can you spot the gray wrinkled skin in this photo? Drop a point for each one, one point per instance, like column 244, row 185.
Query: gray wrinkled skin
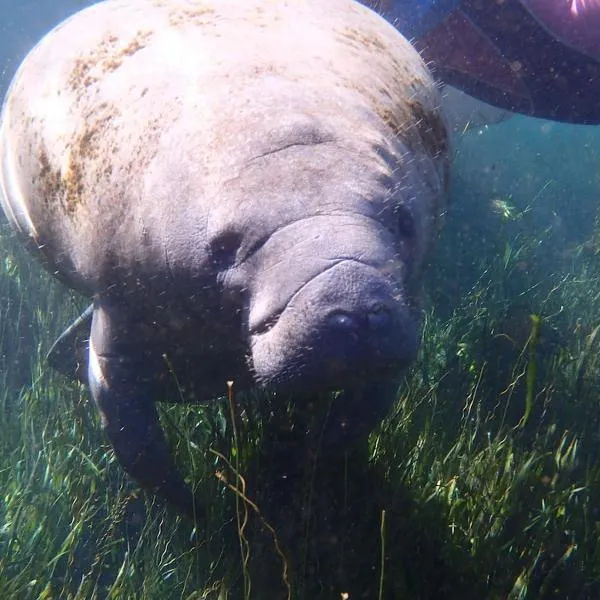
column 247, row 190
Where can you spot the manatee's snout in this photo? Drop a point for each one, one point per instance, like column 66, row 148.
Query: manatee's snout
column 352, row 334
column 349, row 323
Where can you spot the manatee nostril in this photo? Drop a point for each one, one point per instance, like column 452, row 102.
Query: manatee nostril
column 379, row 316
column 343, row 322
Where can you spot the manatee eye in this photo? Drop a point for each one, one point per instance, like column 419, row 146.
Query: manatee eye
column 223, row 249
column 405, row 222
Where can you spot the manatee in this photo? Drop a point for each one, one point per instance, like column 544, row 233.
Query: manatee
column 246, row 190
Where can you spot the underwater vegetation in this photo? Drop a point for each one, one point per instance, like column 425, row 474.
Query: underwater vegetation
column 483, row 483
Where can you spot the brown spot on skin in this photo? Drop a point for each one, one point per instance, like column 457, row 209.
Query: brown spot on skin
column 88, row 163
column 266, row 69
column 360, row 41
column 390, row 118
column 431, row 128
column 383, row 105
column 73, row 186
column 105, row 58
column 400, row 83
column 384, row 92
column 192, row 16
column 96, row 122
column 85, row 144
column 79, row 74
column 87, row 156
column 66, row 189
column 49, row 180
column 116, row 61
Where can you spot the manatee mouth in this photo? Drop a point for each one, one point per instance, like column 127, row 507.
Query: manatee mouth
column 347, row 324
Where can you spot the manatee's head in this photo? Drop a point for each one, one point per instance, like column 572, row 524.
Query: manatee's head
column 326, row 244
column 329, row 306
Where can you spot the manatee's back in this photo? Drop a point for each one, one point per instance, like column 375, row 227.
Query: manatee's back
column 122, row 124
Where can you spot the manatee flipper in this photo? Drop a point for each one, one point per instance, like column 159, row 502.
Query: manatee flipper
column 122, row 385
column 69, row 354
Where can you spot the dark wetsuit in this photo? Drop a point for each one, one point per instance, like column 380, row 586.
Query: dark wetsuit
column 538, row 57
